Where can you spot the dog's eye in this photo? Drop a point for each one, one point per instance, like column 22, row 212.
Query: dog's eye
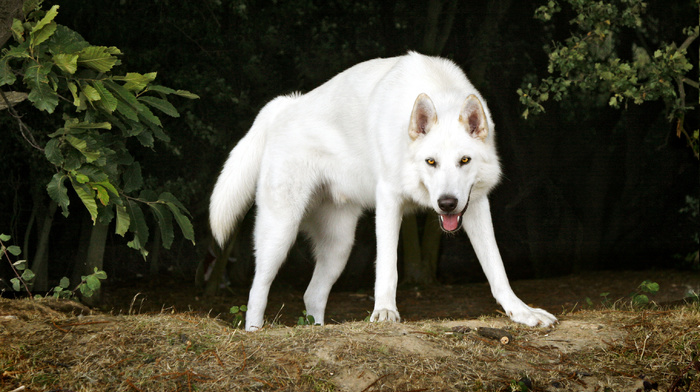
column 465, row 160
column 430, row 161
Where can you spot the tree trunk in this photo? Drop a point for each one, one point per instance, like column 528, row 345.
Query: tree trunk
column 28, row 231
column 220, row 263
column 79, row 263
column 40, row 265
column 420, row 258
column 430, row 243
column 438, row 30
column 9, row 9
column 154, row 262
column 488, row 31
column 95, row 256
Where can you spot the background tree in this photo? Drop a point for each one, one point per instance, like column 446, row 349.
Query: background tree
column 64, row 74
column 585, row 185
column 615, row 58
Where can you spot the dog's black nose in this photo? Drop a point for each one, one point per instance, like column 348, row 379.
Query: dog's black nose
column 447, row 203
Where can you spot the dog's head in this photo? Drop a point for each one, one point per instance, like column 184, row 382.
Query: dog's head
column 451, row 154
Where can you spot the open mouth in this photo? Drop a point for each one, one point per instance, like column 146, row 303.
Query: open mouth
column 453, row 222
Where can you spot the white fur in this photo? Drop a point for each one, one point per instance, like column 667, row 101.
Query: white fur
column 316, row 161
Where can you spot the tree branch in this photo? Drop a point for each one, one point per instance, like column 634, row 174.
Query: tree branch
column 23, row 128
column 688, row 41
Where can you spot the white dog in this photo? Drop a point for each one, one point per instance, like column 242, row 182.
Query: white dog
column 390, row 134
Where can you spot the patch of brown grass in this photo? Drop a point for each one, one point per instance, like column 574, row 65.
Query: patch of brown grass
column 71, row 348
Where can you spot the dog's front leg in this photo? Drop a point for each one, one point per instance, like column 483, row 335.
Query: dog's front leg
column 388, row 224
column 479, row 227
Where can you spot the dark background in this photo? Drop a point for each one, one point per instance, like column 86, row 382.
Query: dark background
column 585, row 187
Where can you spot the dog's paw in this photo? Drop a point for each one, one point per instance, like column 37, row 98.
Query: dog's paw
column 531, row 316
column 380, row 315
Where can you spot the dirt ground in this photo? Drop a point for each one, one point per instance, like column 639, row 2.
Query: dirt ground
column 285, row 304
column 166, row 338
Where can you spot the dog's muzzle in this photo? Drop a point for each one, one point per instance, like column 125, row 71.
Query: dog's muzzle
column 452, row 222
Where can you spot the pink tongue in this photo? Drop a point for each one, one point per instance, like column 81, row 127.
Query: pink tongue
column 450, row 222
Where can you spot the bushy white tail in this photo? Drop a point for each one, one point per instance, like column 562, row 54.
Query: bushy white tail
column 235, row 189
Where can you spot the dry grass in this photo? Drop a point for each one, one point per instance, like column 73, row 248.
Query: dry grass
column 47, row 345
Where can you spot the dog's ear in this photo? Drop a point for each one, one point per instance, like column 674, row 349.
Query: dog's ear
column 423, row 117
column 473, row 118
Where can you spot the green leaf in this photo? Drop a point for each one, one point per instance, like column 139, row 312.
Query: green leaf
column 99, row 274
column 37, row 37
column 127, row 96
column 27, row 275
column 66, row 62
column 93, row 282
column 136, row 81
column 58, row 192
column 88, row 125
column 16, row 285
column 136, row 244
column 161, row 104
column 64, row 283
column 146, row 114
column 127, row 111
column 87, row 197
column 17, row 30
column 146, row 138
column 44, row 98
column 52, row 150
column 65, row 40
column 99, row 58
column 186, row 94
column 234, row 309
column 37, row 74
column 107, row 100
column 5, row 237
column 86, row 291
column 650, row 287
column 81, row 145
column 159, row 133
column 42, row 95
column 161, row 89
column 47, row 19
column 30, row 5
column 133, row 180
column 7, row 77
column 108, row 186
column 123, row 220
column 138, row 225
column 74, row 92
column 95, row 173
column 182, row 221
column 91, row 93
column 20, row 51
column 82, row 178
column 640, row 299
column 20, row 265
column 57, row 291
column 14, row 250
column 102, row 193
column 130, row 100
column 168, row 90
column 170, row 198
column 165, row 223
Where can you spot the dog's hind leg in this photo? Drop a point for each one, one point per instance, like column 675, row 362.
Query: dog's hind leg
column 332, row 232
column 276, row 227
